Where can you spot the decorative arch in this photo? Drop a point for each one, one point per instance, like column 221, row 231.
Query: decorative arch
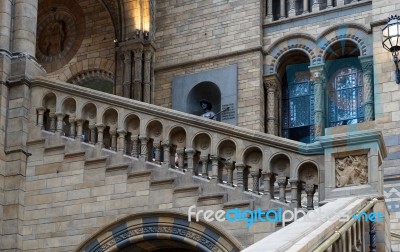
column 154, row 129
column 101, row 65
column 177, row 136
column 110, row 117
column 253, row 157
column 201, row 142
column 227, row 149
column 280, row 164
column 155, row 225
column 308, row 172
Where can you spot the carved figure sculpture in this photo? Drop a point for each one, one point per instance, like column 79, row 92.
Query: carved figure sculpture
column 53, row 38
column 207, row 106
column 351, row 170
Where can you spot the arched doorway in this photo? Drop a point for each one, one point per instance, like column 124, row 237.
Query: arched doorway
column 159, row 232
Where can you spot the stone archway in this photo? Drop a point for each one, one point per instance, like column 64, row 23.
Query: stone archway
column 158, row 232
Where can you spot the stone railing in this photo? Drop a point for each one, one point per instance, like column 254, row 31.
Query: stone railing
column 282, row 9
column 237, row 157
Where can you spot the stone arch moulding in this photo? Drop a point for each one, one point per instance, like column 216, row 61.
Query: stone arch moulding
column 137, row 228
column 100, row 64
column 225, row 79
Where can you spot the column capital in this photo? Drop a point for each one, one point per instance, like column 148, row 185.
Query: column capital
column 40, row 110
column 294, row 182
column 79, row 121
column 92, row 126
column 100, row 126
column 282, row 181
column 190, row 151
column 143, row 138
column 309, row 188
column 255, row 173
column 138, row 53
column 134, row 137
column 318, row 73
column 127, row 56
column 271, row 82
column 59, row 114
column 121, row 132
column 240, row 165
column 148, row 54
column 165, row 143
column 180, row 150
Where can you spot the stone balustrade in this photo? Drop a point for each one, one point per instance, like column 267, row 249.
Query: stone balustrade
column 237, row 157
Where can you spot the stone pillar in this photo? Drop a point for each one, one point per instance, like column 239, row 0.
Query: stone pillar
column 100, row 131
column 318, row 78
column 256, row 179
column 246, row 178
column 127, row 84
column 121, row 141
column 40, row 112
column 214, row 163
column 310, row 191
column 143, row 149
column 292, row 8
column 339, row 3
column 190, row 155
column 137, row 84
column 204, row 166
column 271, row 83
column 113, row 134
column 239, row 171
column 294, row 185
column 148, row 55
column 229, row 168
column 25, row 22
column 315, row 6
column 157, row 155
column 181, row 157
column 53, row 120
column 72, row 129
column 267, row 182
column 167, row 153
column 5, row 24
column 329, row 4
column 282, row 9
column 269, row 11
column 92, row 129
column 282, row 182
column 135, row 146
column 368, row 79
column 79, row 129
column 59, row 117
column 305, row 7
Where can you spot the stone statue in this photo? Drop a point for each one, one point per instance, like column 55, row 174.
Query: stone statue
column 207, row 106
column 351, row 170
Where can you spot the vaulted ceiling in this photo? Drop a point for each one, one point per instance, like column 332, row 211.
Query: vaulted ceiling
column 114, row 7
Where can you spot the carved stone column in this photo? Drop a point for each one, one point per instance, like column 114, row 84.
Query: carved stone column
column 40, row 112
column 72, row 129
column 256, row 179
column 181, row 157
column 100, row 131
column 143, row 150
column 190, row 155
column 229, row 168
column 271, row 83
column 269, row 11
column 113, row 134
column 121, row 141
column 135, row 146
column 305, row 7
column 59, row 117
column 318, row 78
column 315, row 6
column 246, row 178
column 52, row 122
column 92, row 129
column 310, row 191
column 239, row 171
column 294, row 185
column 157, row 147
column 137, row 84
column 282, row 9
column 267, row 182
column 214, row 163
column 166, row 146
column 368, row 79
column 282, row 182
column 127, row 84
column 292, row 8
column 148, row 55
column 204, row 166
column 79, row 129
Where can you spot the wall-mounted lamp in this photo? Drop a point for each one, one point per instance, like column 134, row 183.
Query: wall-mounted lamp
column 116, row 43
column 391, row 41
column 146, row 34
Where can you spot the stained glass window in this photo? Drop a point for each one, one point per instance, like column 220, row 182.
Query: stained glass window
column 346, row 104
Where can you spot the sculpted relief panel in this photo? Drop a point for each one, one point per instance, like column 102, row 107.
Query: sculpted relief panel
column 351, row 170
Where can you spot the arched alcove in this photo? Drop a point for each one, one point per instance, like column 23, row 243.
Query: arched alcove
column 204, row 90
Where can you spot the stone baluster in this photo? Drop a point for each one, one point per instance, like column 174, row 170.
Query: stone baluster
column 368, row 79
column 305, row 7
column 92, row 129
column 148, row 55
column 267, row 182
column 72, row 129
column 239, row 171
column 181, row 157
column 318, row 78
column 282, row 182
column 310, row 191
column 100, row 134
column 127, row 84
column 190, row 165
column 294, row 186
column 292, row 8
column 256, row 180
column 282, row 9
column 143, row 150
column 166, row 147
column 53, row 120
column 157, row 151
column 113, row 133
column 137, row 85
column 121, row 141
column 329, row 4
column 79, row 129
column 40, row 112
column 215, row 168
column 204, row 166
column 269, row 11
column 135, row 146
column 271, row 83
column 229, row 168
column 246, row 172
column 315, row 6
column 60, row 118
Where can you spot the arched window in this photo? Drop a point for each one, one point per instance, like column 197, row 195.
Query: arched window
column 96, row 79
